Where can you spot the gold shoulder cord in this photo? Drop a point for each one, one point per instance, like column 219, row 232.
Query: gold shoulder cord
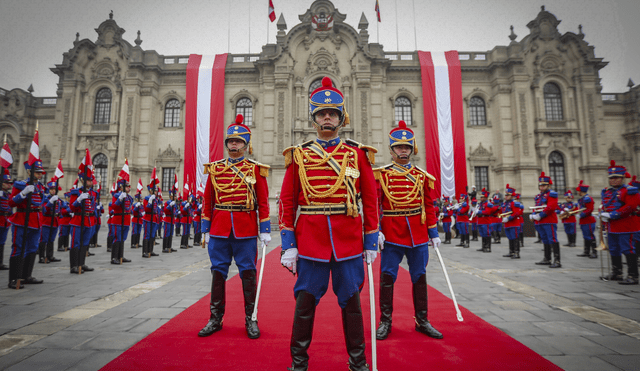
column 417, row 190
column 232, row 186
column 305, row 162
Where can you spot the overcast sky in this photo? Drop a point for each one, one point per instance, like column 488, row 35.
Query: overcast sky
column 34, row 34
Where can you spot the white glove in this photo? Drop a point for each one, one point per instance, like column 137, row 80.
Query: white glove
column 172, row 203
column 505, row 219
column 136, row 204
column 122, row 196
column 1, row 193
column 536, row 217
column 381, row 240
column 152, row 197
column 83, row 197
column 289, row 258
column 370, row 256
column 200, row 207
column 206, row 239
column 605, row 216
column 265, row 238
column 100, row 204
column 143, row 213
column 566, row 209
column 436, row 242
column 441, row 214
column 53, row 199
column 28, row 189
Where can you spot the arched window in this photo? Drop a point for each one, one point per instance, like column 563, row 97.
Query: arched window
column 172, row 114
column 556, row 171
column 477, row 111
column 314, row 85
column 103, row 107
column 403, row 110
column 553, row 102
column 244, row 107
column 101, row 164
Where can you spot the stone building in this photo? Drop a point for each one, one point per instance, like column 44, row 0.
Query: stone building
column 532, row 105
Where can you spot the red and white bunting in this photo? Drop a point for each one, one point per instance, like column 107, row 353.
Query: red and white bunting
column 154, row 179
column 6, row 159
column 176, row 186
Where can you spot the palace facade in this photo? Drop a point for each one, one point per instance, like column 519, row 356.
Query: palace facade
column 530, row 106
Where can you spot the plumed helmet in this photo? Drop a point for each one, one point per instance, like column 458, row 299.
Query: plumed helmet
column 544, row 179
column 238, row 130
column 328, row 97
column 617, row 171
column 403, row 135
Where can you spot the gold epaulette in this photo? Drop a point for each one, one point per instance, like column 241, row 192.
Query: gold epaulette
column 432, row 179
column 264, row 169
column 377, row 172
column 288, row 152
column 371, row 151
column 209, row 165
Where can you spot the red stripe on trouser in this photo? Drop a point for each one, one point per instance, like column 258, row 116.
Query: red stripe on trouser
column 13, row 241
column 73, row 238
column 553, row 235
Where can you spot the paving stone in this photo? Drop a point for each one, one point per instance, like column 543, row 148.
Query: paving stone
column 582, row 363
column 620, row 344
column 159, row 313
column 624, row 362
column 610, row 296
column 51, row 359
column 572, row 345
column 539, row 345
column 87, row 324
column 112, row 341
column 515, row 315
column 159, row 303
column 600, row 329
column 149, row 326
column 64, row 340
column 520, row 329
column 17, row 356
column 96, row 360
column 633, row 314
column 185, row 303
column 562, row 328
column 117, row 324
column 554, row 315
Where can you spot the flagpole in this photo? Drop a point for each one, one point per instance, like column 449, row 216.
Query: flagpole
column 249, row 26
column 397, row 37
column 229, row 27
column 415, row 34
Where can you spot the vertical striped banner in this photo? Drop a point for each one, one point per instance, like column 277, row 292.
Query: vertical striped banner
column 204, row 116
column 443, row 121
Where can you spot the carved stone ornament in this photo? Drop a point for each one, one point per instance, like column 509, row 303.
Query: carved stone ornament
column 549, row 64
column 45, row 157
column 545, row 26
column 480, row 152
column 168, row 154
column 616, row 153
column 322, row 60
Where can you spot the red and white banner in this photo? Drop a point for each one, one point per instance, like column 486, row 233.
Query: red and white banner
column 124, row 172
column 6, row 159
column 139, row 187
column 204, row 117
column 153, row 183
column 34, row 152
column 443, row 121
column 86, row 167
column 59, row 172
column 272, row 12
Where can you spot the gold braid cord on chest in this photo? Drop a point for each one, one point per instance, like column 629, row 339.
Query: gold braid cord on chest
column 242, row 176
column 346, row 177
column 404, row 198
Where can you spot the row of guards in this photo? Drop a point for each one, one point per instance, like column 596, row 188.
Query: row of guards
column 41, row 214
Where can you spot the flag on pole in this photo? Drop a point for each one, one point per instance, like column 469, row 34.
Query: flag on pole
column 59, row 172
column 6, row 159
column 204, row 113
column 86, row 164
column 139, row 187
column 200, row 192
column 176, row 186
column 124, row 172
column 34, row 152
column 185, row 190
column 443, row 121
column 378, row 10
column 113, row 188
column 272, row 11
column 154, row 179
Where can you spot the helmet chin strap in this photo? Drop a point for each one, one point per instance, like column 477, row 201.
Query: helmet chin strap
column 236, row 149
column 408, row 157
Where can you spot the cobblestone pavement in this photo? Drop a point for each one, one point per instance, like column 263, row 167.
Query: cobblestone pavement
column 71, row 322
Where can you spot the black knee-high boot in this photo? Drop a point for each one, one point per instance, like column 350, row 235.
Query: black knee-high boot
column 50, row 257
column 249, row 288
column 386, row 306
column 216, row 305
column 421, row 308
column 556, row 255
column 353, row 328
column 547, row 256
column 41, row 252
column 2, row 266
column 632, row 268
column 302, row 331
column 27, row 270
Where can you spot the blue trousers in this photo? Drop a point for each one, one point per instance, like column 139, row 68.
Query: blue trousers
column 513, row 233
column 622, row 243
column 474, row 226
column 196, row 227
column 223, row 250
column 149, row 229
column 569, row 228
column 167, row 231
column 587, row 231
column 417, row 258
column 548, row 233
column 112, row 230
column 4, row 231
column 186, row 228
column 137, row 228
column 496, row 227
column 446, row 226
column 485, row 230
column 463, row 228
column 120, row 234
column 48, row 234
column 87, row 232
column 347, row 277
column 20, row 240
column 64, row 230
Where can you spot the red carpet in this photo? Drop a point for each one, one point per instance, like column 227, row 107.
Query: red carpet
column 470, row 345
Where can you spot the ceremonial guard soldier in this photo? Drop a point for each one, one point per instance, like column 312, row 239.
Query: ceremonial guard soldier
column 445, row 216
column 169, row 215
column 83, row 206
column 587, row 221
column 496, row 221
column 137, row 213
column 50, row 216
column 236, row 202
column 111, row 235
column 566, row 213
column 122, row 204
column 485, row 213
column 63, row 222
column 5, row 214
column 511, row 213
column 197, row 221
column 97, row 217
column 619, row 202
column 407, row 223
column 462, row 219
column 546, row 219
column 473, row 219
column 149, row 220
column 24, row 247
column 516, row 196
column 185, row 220
column 325, row 180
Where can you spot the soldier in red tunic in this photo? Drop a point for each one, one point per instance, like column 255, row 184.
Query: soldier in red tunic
column 408, row 221
column 547, row 221
column 234, row 213
column 587, row 221
column 325, row 181
column 5, row 213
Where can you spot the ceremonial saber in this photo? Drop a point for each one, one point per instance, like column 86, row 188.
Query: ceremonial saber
column 372, row 305
column 254, row 315
column 446, row 276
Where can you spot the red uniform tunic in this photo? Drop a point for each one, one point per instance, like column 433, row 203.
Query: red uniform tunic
column 486, row 211
column 65, row 214
column 15, row 200
column 168, row 211
column 549, row 199
column 516, row 213
column 185, row 213
column 567, row 205
column 586, row 202
column 462, row 214
column 121, row 208
column 621, row 203
column 329, row 223
column 5, row 210
column 407, row 215
column 50, row 213
column 150, row 209
column 446, row 214
column 236, row 199
column 77, row 209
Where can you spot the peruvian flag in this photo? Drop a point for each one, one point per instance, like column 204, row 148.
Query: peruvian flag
column 176, row 186
column 124, row 172
column 272, row 11
column 139, row 187
column 113, row 187
column 204, row 116
column 34, row 152
column 185, row 190
column 378, row 11
column 59, row 172
column 200, row 192
column 6, row 159
column 154, row 179
column 85, row 165
column 443, row 121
